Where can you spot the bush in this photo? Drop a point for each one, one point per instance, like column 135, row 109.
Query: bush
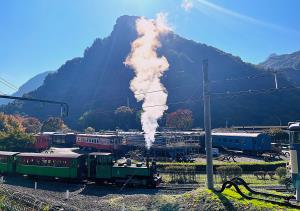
column 281, row 172
column 246, row 166
column 182, row 174
column 229, row 172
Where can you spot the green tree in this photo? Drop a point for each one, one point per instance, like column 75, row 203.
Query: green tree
column 124, row 117
column 32, row 125
column 181, row 119
column 98, row 119
column 89, row 130
column 54, row 124
column 278, row 135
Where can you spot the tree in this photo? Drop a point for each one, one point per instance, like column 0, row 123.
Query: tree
column 54, row 124
column 89, row 130
column 278, row 135
column 9, row 123
column 124, row 117
column 32, row 125
column 181, row 119
column 98, row 119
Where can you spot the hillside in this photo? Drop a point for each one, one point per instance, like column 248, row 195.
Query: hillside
column 283, row 61
column 287, row 64
column 99, row 79
column 28, row 86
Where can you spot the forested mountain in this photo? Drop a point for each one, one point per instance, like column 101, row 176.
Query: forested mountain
column 28, row 86
column 99, row 80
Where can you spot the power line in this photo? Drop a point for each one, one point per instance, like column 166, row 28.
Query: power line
column 242, row 78
column 251, row 91
column 8, row 84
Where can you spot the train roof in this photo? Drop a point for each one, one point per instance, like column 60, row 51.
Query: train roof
column 253, row 135
column 8, row 153
column 97, row 135
column 100, row 153
column 294, row 126
column 49, row 155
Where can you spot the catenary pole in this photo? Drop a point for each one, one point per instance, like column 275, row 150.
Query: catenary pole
column 207, row 126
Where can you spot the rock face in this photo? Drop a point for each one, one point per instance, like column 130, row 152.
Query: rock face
column 283, row 61
column 100, row 79
column 29, row 86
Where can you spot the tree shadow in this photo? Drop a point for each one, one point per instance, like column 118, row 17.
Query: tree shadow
column 226, row 202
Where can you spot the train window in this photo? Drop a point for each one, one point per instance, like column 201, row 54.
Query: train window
column 296, row 137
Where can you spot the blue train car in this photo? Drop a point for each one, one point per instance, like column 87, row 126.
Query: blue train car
column 246, row 142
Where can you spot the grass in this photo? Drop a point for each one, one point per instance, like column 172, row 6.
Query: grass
column 203, row 199
column 230, row 195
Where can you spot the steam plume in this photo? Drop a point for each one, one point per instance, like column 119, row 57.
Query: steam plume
column 149, row 68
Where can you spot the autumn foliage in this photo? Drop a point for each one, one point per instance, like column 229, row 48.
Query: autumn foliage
column 181, row 119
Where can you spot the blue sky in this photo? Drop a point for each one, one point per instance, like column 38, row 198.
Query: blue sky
column 40, row 35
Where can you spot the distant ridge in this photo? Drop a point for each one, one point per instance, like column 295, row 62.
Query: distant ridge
column 29, row 86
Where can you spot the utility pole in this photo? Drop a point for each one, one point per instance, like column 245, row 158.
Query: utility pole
column 207, row 126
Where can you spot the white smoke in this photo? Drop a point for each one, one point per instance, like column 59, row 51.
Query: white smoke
column 149, row 68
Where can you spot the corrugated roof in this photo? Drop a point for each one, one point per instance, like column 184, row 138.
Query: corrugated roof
column 8, row 153
column 97, row 135
column 49, row 155
column 254, row 135
column 100, row 153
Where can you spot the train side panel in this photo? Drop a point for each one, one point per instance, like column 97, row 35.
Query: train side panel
column 7, row 162
column 38, row 164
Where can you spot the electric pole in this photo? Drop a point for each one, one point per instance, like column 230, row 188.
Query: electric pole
column 207, row 126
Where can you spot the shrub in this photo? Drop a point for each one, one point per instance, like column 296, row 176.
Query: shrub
column 229, row 172
column 182, row 174
column 281, row 172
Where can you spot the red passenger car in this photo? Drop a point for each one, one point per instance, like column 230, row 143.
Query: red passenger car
column 42, row 142
column 105, row 142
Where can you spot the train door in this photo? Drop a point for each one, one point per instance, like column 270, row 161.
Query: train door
column 92, row 165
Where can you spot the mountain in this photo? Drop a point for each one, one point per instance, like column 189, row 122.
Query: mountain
column 283, row 61
column 287, row 64
column 100, row 80
column 28, row 86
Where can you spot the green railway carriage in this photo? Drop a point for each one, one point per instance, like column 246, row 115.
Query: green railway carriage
column 71, row 166
column 7, row 162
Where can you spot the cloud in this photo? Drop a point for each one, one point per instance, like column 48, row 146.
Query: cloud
column 187, row 5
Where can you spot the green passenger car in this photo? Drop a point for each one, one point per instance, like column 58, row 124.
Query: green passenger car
column 70, row 166
column 7, row 164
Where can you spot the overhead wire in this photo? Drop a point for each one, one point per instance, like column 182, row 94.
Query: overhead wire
column 8, row 84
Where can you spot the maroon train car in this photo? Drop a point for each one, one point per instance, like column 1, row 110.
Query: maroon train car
column 105, row 142
column 42, row 142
